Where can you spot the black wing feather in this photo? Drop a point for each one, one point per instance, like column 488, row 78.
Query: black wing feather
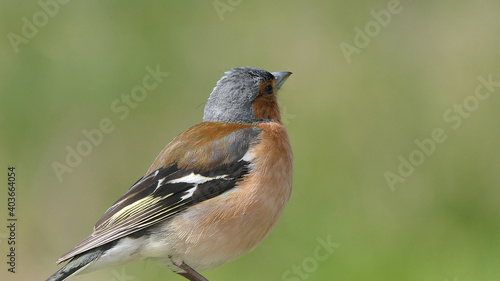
column 155, row 198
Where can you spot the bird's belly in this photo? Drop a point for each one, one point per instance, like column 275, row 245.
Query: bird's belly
column 205, row 237
column 223, row 228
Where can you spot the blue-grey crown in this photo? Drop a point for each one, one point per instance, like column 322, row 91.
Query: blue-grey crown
column 232, row 98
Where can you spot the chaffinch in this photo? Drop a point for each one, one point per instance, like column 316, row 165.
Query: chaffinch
column 212, row 194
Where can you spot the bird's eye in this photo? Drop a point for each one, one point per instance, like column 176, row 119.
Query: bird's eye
column 268, row 89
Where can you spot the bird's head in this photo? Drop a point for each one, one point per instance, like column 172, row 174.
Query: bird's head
column 245, row 95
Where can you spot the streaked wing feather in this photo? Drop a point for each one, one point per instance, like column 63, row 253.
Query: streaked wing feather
column 165, row 192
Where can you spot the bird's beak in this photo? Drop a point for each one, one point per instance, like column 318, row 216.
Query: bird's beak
column 281, row 77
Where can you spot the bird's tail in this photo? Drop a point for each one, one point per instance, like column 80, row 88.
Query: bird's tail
column 75, row 265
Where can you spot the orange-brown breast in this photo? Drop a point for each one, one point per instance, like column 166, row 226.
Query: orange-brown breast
column 224, row 227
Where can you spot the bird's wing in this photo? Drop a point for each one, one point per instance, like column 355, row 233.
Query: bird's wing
column 201, row 163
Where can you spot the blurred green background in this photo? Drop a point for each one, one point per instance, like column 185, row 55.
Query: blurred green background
column 348, row 123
